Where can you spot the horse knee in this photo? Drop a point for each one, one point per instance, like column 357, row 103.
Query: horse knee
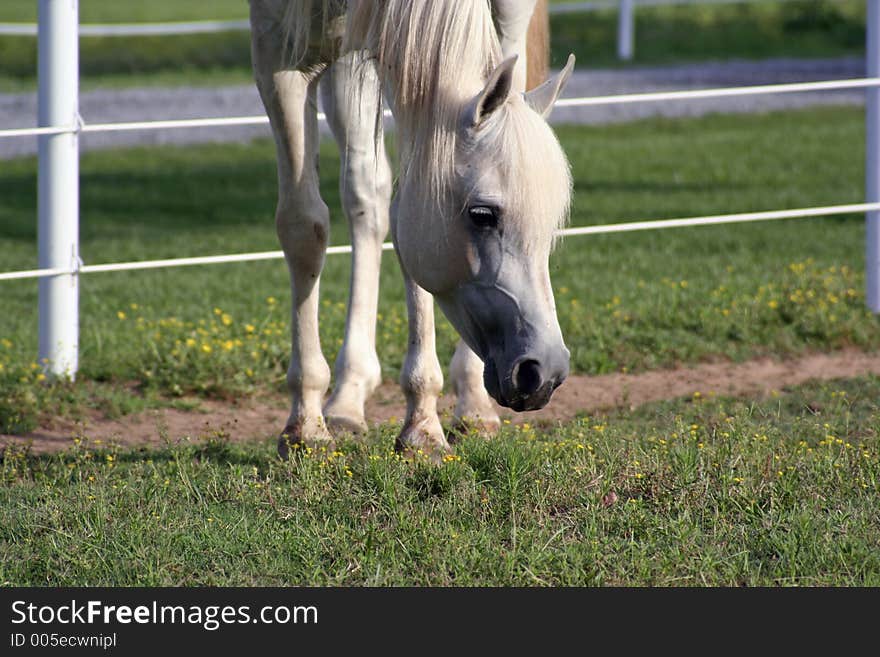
column 304, row 231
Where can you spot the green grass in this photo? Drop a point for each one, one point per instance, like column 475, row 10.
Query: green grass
column 752, row 30
column 747, row 30
column 626, row 302
column 700, row 491
column 203, row 59
column 155, row 11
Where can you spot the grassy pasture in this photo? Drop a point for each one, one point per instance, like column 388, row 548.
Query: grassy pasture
column 751, row 30
column 693, row 492
column 690, row 492
column 626, row 302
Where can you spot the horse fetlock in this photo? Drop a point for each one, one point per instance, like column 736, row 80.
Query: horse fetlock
column 423, row 382
column 358, row 366
column 309, row 378
column 344, row 411
column 356, row 379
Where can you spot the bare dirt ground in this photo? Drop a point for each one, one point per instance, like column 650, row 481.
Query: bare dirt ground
column 252, row 419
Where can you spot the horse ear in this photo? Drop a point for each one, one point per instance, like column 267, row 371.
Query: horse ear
column 542, row 97
column 495, row 93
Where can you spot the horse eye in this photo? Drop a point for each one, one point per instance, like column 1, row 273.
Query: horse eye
column 483, row 216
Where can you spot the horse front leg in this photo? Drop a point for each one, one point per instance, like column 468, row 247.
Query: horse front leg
column 351, row 98
column 421, row 380
column 302, row 222
column 474, row 409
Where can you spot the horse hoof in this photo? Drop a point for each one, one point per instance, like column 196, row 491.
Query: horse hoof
column 480, row 427
column 341, row 424
column 293, row 439
column 433, row 454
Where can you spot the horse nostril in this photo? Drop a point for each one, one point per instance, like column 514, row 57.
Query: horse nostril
column 527, row 377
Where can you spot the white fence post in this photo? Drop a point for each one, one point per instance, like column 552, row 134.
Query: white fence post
column 872, row 159
column 58, row 185
column 625, row 30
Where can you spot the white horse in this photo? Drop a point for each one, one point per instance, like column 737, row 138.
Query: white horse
column 482, row 188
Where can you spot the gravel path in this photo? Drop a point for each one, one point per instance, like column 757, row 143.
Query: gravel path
column 100, row 106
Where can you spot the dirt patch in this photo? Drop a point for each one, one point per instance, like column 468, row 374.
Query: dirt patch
column 251, row 419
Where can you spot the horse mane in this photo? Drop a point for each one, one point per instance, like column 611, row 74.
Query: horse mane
column 529, row 157
column 427, row 49
column 430, row 46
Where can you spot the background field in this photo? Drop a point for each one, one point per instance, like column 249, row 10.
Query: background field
column 780, row 489
column 751, row 30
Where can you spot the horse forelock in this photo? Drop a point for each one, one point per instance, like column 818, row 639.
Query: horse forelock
column 533, row 172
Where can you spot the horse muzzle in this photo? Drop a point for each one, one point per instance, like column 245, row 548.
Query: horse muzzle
column 528, row 384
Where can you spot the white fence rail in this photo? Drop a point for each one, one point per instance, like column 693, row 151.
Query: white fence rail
column 601, row 229
column 58, row 188
column 80, row 126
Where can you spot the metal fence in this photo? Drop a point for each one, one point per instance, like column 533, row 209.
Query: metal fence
column 59, row 264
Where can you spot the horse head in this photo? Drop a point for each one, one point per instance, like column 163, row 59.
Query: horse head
column 485, row 258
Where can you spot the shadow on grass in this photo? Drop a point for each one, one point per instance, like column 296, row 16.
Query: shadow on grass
column 211, row 450
column 156, row 193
